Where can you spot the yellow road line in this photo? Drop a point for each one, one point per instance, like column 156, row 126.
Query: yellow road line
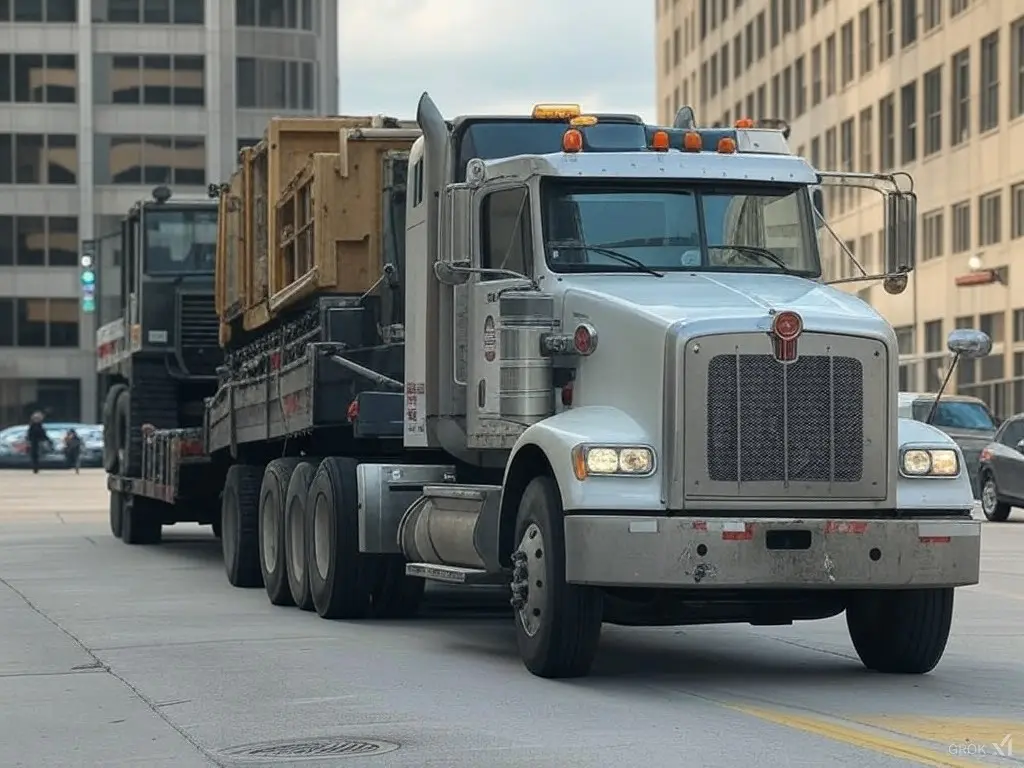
column 858, row 738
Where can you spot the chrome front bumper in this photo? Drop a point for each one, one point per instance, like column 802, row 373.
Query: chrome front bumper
column 759, row 553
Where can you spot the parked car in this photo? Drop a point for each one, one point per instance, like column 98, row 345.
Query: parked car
column 14, row 449
column 965, row 419
column 1002, row 471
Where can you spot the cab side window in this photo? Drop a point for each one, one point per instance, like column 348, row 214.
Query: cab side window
column 506, row 241
column 1012, row 433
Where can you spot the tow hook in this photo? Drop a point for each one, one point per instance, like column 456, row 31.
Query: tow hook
column 520, row 580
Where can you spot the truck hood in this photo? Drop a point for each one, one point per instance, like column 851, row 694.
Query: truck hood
column 688, row 297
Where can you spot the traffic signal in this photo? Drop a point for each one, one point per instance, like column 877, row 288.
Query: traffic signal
column 88, row 276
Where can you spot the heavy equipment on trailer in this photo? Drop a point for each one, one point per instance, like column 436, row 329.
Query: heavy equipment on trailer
column 583, row 357
column 157, row 354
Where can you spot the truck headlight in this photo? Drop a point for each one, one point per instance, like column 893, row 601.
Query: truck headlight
column 929, row 462
column 609, row 460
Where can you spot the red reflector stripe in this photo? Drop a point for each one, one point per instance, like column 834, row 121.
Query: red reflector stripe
column 737, row 535
column 700, row 525
column 845, row 526
column 934, row 539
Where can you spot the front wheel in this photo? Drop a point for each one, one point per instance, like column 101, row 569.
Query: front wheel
column 994, row 510
column 558, row 625
column 901, row 632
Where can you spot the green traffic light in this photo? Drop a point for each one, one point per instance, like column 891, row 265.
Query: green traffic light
column 88, row 277
column 88, row 305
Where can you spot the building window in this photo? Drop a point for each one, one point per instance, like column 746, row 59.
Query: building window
column 961, row 215
column 908, row 124
column 867, row 140
column 39, row 11
column 724, row 69
column 988, row 114
column 150, row 80
column 148, row 11
column 761, row 47
column 787, row 93
column 887, row 132
column 36, row 78
column 867, row 42
column 990, row 219
column 866, row 254
column 905, row 340
column 932, row 224
column 886, row 30
column 713, row 75
column 935, row 352
column 816, row 152
column 800, row 85
column 39, row 241
column 957, row 7
column 846, row 42
column 58, row 399
column 40, row 323
column 816, row 75
column 773, row 21
column 932, row 14
column 280, row 84
column 830, row 65
column 933, row 111
column 908, row 23
column 1017, row 211
column 960, row 106
column 284, row 14
column 737, row 54
column 1017, row 68
column 846, row 156
column 36, row 158
column 149, row 160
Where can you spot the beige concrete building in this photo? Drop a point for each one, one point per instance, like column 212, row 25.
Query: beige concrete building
column 931, row 87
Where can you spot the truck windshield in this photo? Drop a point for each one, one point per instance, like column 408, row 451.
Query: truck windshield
column 599, row 227
column 180, row 240
column 508, row 138
column 956, row 414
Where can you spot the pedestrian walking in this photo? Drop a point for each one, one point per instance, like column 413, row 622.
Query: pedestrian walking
column 36, row 437
column 73, row 450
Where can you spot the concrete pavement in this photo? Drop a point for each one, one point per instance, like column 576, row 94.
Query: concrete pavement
column 114, row 655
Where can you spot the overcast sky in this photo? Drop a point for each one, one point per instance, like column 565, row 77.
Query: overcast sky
column 496, row 56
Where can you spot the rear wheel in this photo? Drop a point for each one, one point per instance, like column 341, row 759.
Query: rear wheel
column 901, row 632
column 116, row 513
column 141, row 521
column 273, row 560
column 295, row 512
column 994, row 510
column 240, row 511
column 111, row 436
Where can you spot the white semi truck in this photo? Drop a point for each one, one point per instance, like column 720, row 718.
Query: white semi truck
column 625, row 392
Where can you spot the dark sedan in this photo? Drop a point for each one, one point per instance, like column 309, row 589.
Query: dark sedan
column 14, row 450
column 1002, row 471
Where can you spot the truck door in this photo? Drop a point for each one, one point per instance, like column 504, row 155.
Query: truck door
column 505, row 243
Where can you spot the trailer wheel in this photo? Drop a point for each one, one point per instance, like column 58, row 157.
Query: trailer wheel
column 558, row 625
column 239, row 514
column 111, row 435
column 901, row 632
column 141, row 522
column 116, row 513
column 295, row 525
column 395, row 595
column 273, row 561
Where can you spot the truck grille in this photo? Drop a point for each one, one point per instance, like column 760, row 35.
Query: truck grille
column 199, row 326
column 770, row 422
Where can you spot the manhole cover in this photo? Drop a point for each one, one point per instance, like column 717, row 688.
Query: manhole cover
column 308, row 749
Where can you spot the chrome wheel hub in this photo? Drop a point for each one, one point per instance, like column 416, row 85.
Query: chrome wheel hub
column 529, row 590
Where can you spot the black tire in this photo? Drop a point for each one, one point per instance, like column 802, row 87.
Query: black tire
column 110, row 432
column 240, row 514
column 995, row 511
column 902, row 632
column 116, row 513
column 122, row 429
column 345, row 583
column 295, row 533
column 273, row 562
column 564, row 634
column 141, row 521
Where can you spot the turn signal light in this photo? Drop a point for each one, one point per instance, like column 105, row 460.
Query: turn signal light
column 572, row 141
column 692, row 142
column 726, row 146
column 584, row 339
column 659, row 142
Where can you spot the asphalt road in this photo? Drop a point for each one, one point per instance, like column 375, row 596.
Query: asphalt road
column 128, row 656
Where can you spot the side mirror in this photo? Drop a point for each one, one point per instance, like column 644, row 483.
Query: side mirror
column 900, row 231
column 969, row 343
column 818, row 201
column 452, row 272
column 1020, row 446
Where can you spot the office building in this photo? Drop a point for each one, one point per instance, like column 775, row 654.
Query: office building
column 101, row 101
column 931, row 87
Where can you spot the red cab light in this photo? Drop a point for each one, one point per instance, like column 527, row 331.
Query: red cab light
column 567, row 395
column 584, row 339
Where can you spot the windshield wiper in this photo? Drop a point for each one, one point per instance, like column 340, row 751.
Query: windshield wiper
column 605, row 251
column 763, row 253
column 650, row 242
